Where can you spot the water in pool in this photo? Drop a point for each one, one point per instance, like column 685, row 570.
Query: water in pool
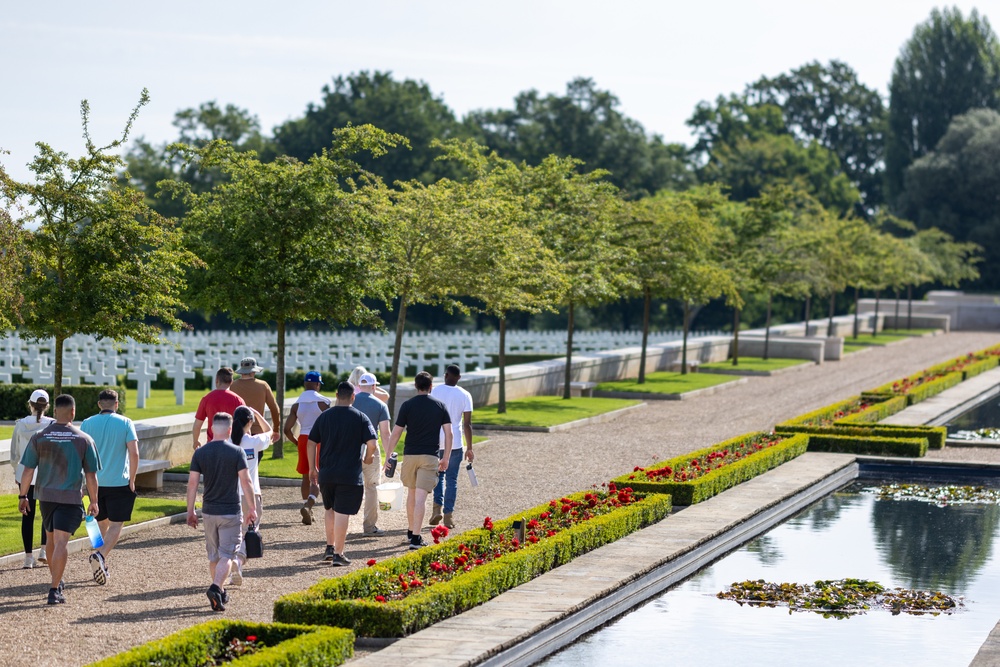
column 907, row 544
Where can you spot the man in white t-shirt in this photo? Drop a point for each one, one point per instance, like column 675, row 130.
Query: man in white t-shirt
column 306, row 409
column 459, row 404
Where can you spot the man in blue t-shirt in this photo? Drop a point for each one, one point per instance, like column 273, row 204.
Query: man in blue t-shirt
column 117, row 444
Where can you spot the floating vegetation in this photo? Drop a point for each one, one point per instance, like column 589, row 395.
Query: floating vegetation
column 978, row 434
column 939, row 495
column 841, row 598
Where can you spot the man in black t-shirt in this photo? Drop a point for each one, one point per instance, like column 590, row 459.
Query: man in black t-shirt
column 347, row 438
column 422, row 418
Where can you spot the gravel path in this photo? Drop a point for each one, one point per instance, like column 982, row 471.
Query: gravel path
column 159, row 577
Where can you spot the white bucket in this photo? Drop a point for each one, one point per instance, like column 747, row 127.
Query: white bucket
column 390, row 496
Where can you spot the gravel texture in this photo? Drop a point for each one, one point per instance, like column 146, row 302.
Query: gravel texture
column 159, row 577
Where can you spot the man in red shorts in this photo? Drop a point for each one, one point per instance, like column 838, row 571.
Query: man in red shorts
column 218, row 400
column 307, row 408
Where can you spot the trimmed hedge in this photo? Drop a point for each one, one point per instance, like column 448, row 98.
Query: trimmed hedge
column 867, row 444
column 969, row 366
column 283, row 645
column 881, row 406
column 920, row 392
column 935, row 435
column 875, row 412
column 717, row 481
column 14, row 399
column 346, row 601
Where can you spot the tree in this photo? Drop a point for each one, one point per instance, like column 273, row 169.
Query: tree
column 148, row 164
column 12, row 248
column 408, row 108
column 99, row 260
column 950, row 65
column 944, row 261
column 953, row 187
column 587, row 124
column 288, row 241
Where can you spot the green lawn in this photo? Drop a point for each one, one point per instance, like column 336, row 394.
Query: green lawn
column 757, row 364
column 667, row 383
column 854, row 347
column 161, row 403
column 882, row 338
column 10, row 519
column 907, row 332
column 6, row 432
column 548, row 410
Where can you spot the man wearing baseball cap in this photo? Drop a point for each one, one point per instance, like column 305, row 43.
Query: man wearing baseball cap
column 378, row 414
column 309, row 405
column 257, row 394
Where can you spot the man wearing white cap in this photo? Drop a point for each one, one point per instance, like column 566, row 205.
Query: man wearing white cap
column 378, row 414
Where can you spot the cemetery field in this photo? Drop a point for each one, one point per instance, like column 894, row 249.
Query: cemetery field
column 146, row 509
column 757, row 364
column 668, row 383
column 548, row 410
column 163, row 403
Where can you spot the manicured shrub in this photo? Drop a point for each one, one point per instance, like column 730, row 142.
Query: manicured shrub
column 917, row 387
column 14, row 399
column 874, row 412
column 715, row 480
column 349, row 601
column 868, row 408
column 281, row 645
column 867, row 444
column 935, row 435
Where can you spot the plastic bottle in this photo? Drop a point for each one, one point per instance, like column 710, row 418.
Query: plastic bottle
column 94, row 532
column 472, row 475
column 390, row 465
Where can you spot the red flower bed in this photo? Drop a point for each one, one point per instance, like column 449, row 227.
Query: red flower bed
column 696, row 467
column 906, row 385
column 563, row 513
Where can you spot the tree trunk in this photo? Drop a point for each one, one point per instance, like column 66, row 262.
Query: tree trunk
column 278, row 451
column 684, row 345
column 57, row 376
column 736, row 336
column 397, row 348
column 646, row 299
column 833, row 307
column 875, row 318
column 569, row 353
column 857, row 322
column 909, row 307
column 808, row 304
column 502, row 404
column 767, row 327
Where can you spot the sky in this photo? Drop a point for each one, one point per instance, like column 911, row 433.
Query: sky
column 659, row 57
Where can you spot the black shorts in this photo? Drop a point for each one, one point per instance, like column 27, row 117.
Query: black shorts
column 115, row 503
column 60, row 516
column 342, row 498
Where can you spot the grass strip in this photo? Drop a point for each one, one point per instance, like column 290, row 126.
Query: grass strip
column 756, row 364
column 544, row 411
column 667, row 383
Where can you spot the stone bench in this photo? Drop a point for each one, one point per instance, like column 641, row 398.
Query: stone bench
column 150, row 474
column 582, row 389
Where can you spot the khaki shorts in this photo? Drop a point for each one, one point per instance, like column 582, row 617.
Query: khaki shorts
column 223, row 535
column 420, row 471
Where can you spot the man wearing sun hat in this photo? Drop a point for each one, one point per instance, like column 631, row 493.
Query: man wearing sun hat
column 257, row 394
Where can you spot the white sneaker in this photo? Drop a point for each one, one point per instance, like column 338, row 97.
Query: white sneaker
column 235, row 573
column 42, row 560
column 29, row 562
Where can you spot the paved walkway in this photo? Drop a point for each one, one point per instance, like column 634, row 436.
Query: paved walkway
column 159, row 576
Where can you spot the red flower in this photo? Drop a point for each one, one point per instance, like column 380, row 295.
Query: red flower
column 488, row 523
column 403, row 585
column 515, row 543
column 251, row 638
column 379, row 598
column 371, row 561
column 532, row 539
column 544, row 515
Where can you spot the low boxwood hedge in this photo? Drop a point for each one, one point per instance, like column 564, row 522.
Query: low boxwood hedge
column 919, row 392
column 935, row 435
column 867, row 444
column 347, row 601
column 718, row 480
column 282, row 645
column 875, row 412
column 14, row 399
column 879, row 406
column 969, row 366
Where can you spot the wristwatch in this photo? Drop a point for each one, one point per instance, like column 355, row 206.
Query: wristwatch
column 22, row 497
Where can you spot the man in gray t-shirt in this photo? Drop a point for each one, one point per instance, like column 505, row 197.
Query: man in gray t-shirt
column 223, row 466
column 378, row 414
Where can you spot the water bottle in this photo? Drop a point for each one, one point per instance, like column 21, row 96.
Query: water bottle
column 390, row 465
column 472, row 475
column 94, row 532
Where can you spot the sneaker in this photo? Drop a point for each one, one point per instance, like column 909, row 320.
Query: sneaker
column 375, row 530
column 215, row 598
column 235, row 574
column 62, row 586
column 330, row 553
column 56, row 596
column 339, row 560
column 99, row 567
column 225, row 597
column 42, row 558
column 417, row 542
column 29, row 562
column 307, row 515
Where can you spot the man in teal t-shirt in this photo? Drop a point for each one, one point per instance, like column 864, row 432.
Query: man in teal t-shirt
column 118, row 448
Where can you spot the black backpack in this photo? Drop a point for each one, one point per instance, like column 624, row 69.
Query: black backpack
column 254, row 542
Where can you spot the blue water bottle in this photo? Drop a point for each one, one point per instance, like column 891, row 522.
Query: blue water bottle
column 94, row 532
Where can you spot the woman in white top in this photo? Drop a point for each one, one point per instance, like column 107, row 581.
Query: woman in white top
column 23, row 430
column 253, row 446
column 355, row 378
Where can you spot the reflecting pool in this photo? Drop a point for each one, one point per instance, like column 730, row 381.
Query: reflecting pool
column 899, row 543
column 986, row 415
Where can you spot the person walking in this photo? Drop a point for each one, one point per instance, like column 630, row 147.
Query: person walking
column 339, row 434
column 355, row 380
column 64, row 457
column 422, row 418
column 378, row 414
column 24, row 428
column 257, row 394
column 309, row 405
column 253, row 446
column 459, row 404
column 223, row 466
column 220, row 399
column 118, row 447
